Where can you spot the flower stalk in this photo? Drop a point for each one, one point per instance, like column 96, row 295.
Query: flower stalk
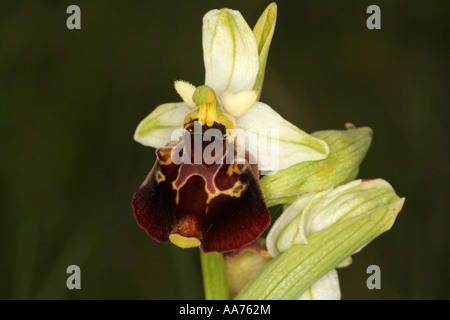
column 214, row 276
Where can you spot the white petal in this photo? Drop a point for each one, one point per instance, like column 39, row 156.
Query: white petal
column 230, row 52
column 326, row 288
column 280, row 143
column 237, row 104
column 158, row 128
column 186, row 91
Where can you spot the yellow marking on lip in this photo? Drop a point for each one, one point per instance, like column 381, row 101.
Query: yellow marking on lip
column 166, row 162
column 228, row 192
column 211, row 195
column 234, row 168
column 184, row 242
column 163, row 153
column 160, row 176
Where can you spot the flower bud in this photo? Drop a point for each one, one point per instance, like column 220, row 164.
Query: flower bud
column 243, row 264
column 347, row 150
column 336, row 224
column 313, row 212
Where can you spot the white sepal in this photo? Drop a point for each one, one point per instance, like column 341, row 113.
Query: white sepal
column 280, row 143
column 157, row 129
column 230, row 52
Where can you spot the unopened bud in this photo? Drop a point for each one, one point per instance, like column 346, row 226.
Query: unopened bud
column 347, row 150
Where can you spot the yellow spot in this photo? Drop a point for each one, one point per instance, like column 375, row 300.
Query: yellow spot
column 160, row 176
column 184, row 242
column 167, row 154
column 234, row 168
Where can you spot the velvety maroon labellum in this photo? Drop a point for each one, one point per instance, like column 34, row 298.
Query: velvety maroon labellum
column 216, row 205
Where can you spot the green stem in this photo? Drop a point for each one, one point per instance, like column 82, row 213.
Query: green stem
column 214, row 276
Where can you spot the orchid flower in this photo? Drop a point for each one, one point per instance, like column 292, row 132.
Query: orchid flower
column 235, row 58
column 215, row 204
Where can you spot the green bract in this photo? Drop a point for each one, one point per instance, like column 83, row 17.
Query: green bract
column 347, row 150
column 301, row 265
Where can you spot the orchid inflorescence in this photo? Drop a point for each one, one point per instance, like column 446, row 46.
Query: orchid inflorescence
column 205, row 191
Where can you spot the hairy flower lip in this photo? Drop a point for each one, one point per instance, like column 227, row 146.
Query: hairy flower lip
column 201, row 205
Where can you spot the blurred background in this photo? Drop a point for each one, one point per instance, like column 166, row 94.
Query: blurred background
column 70, row 101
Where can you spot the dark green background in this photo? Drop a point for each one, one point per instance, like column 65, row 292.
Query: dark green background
column 70, row 101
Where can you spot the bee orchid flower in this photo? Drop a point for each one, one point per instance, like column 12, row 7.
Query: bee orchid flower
column 204, row 187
